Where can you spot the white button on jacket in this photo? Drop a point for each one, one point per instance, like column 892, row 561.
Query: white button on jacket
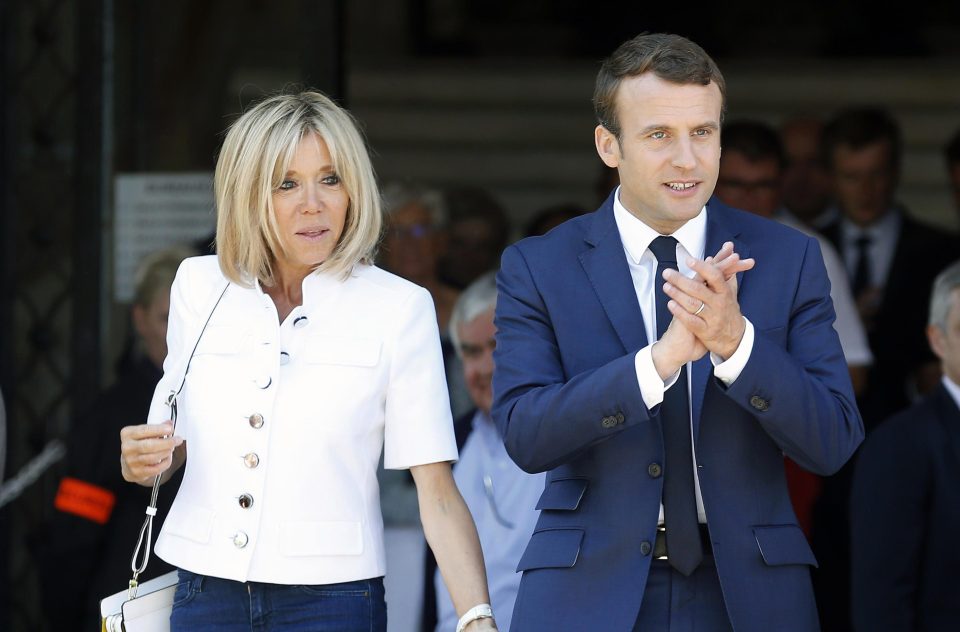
column 364, row 373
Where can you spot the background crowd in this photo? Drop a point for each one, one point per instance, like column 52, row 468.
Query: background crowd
column 835, row 179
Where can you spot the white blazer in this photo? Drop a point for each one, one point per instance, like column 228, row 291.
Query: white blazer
column 284, row 422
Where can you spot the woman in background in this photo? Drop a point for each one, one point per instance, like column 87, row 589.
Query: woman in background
column 89, row 538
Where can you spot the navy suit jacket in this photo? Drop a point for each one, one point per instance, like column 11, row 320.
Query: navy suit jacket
column 905, row 520
column 567, row 401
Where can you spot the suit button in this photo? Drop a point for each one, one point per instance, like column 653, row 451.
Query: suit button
column 284, row 358
column 240, row 539
column 300, row 322
column 759, row 403
column 264, row 381
column 645, row 548
column 256, row 420
column 620, row 418
column 654, row 470
column 245, row 500
column 251, row 460
column 608, row 422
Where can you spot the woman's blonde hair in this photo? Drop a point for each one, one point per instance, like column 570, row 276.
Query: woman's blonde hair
column 255, row 156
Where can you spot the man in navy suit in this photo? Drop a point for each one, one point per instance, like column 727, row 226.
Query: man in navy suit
column 905, row 503
column 660, row 389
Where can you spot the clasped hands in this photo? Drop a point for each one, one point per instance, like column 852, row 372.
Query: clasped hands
column 706, row 314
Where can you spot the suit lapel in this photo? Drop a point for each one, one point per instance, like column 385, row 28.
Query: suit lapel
column 606, row 266
column 720, row 228
column 950, row 417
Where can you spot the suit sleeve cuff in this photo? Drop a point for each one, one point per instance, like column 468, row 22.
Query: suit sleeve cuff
column 652, row 387
column 728, row 371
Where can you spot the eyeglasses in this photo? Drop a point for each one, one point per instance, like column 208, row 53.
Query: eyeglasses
column 488, row 490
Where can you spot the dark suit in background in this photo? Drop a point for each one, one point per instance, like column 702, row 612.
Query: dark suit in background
column 905, row 521
column 896, row 332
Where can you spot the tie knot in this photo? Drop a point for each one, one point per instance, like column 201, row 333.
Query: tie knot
column 664, row 249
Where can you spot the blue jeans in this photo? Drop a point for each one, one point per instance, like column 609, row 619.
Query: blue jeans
column 222, row 605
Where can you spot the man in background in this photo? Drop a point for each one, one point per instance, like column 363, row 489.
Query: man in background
column 890, row 257
column 806, row 183
column 501, row 496
column 904, row 521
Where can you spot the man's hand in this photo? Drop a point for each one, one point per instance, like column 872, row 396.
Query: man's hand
column 679, row 344
column 707, row 308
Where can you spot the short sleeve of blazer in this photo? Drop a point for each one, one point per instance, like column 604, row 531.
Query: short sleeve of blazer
column 418, row 425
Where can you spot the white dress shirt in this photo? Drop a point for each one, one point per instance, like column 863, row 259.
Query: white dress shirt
column 691, row 239
column 883, row 235
column 853, row 338
column 510, row 497
column 284, row 423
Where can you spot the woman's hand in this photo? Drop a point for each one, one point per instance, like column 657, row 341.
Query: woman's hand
column 149, row 450
column 452, row 536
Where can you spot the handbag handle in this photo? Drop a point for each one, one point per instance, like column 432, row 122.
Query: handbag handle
column 145, row 538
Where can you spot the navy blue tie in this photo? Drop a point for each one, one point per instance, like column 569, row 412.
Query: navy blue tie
column 684, row 550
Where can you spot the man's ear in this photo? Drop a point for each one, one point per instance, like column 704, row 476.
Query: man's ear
column 935, row 338
column 607, row 146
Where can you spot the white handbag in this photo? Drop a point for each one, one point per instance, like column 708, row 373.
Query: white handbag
column 146, row 607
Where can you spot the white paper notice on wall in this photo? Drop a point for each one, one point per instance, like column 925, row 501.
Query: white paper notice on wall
column 154, row 211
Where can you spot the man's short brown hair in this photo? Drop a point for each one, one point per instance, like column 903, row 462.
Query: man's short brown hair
column 670, row 57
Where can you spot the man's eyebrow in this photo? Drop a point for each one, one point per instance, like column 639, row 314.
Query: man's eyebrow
column 654, row 128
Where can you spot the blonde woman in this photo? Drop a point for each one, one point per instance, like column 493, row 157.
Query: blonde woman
column 312, row 363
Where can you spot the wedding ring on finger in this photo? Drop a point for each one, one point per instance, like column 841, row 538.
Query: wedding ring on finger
column 700, row 309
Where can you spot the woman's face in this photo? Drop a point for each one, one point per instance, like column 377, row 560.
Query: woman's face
column 311, row 209
column 150, row 321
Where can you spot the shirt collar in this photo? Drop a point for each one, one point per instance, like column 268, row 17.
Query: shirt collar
column 637, row 236
column 952, row 388
column 889, row 224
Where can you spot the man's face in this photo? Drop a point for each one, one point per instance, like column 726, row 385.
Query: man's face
column 946, row 342
column 806, row 184
column 669, row 152
column 473, row 248
column 411, row 245
column 753, row 186
column 477, row 342
column 863, row 181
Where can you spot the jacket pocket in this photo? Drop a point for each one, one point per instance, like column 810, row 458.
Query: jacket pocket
column 221, row 340
column 190, row 521
column 552, row 548
column 782, row 544
column 343, row 351
column 563, row 494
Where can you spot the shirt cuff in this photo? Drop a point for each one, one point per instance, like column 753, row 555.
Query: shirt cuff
column 728, row 371
column 652, row 387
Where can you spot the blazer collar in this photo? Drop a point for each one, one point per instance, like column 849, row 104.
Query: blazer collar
column 605, row 264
